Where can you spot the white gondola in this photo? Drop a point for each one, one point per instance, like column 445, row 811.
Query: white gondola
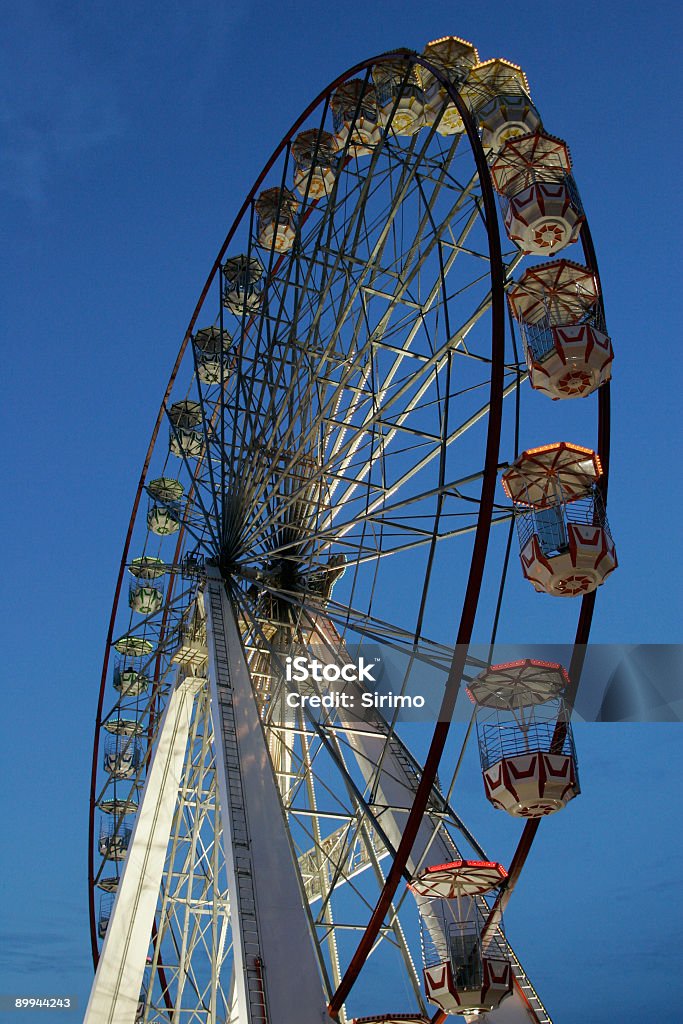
column 128, row 681
column 506, row 117
column 212, row 348
column 314, row 158
column 491, row 79
column 275, row 212
column 185, row 414
column 119, row 726
column 542, row 211
column 118, row 806
column 121, row 757
column 392, row 1018
column 210, row 341
column 148, row 567
column 241, row 278
column 526, row 744
column 566, row 545
column 165, row 489
column 162, row 521
column 356, row 120
column 133, row 646
column 114, row 840
column 400, row 97
column 145, row 599
column 467, row 969
column 455, row 58
column 188, row 444
column 568, row 351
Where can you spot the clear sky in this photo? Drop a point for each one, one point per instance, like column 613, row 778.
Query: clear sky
column 131, row 133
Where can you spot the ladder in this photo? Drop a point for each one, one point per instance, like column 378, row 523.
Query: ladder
column 245, row 896
column 527, row 990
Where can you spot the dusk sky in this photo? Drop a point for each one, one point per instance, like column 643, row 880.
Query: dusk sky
column 130, row 137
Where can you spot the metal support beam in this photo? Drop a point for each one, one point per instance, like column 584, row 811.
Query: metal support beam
column 390, row 771
column 120, row 971
column 276, row 974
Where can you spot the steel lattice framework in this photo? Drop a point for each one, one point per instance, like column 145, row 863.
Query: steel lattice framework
column 331, row 429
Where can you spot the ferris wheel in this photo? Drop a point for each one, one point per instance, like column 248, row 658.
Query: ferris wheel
column 338, row 466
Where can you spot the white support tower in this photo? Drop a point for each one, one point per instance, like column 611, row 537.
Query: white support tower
column 115, row 995
column 276, row 973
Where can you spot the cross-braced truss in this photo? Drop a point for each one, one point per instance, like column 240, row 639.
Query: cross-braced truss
column 335, row 447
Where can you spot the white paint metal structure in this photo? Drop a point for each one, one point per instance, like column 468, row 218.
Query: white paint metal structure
column 331, row 419
column 275, row 970
column 275, row 976
column 115, row 995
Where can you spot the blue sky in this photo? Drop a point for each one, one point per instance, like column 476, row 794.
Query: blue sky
column 130, row 140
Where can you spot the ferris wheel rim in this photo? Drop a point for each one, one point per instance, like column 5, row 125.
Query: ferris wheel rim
column 583, row 627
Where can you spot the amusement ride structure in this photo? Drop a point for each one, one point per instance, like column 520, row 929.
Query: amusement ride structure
column 340, row 433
